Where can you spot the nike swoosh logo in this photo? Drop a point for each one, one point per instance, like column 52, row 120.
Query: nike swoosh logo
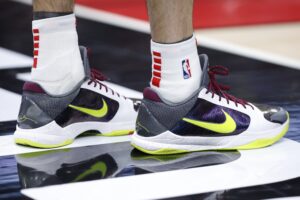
column 97, row 167
column 98, row 113
column 228, row 126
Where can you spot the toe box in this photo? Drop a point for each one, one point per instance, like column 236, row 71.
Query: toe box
column 273, row 113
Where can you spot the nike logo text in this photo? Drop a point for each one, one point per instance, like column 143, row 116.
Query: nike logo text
column 228, row 126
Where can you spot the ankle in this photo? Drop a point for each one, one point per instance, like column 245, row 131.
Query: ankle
column 176, row 70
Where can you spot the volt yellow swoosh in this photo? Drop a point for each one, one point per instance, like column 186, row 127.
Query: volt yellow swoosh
column 95, row 113
column 228, row 126
column 99, row 166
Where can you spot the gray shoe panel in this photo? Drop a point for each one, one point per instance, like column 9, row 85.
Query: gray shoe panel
column 204, row 66
column 31, row 115
column 157, row 117
column 52, row 106
column 273, row 114
column 146, row 124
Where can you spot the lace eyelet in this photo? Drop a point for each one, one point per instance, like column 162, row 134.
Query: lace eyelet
column 96, row 78
column 219, row 89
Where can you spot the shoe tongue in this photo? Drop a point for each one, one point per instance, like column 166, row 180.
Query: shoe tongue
column 204, row 66
column 85, row 61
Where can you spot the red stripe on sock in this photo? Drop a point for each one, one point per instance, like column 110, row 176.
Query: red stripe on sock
column 34, row 62
column 35, row 30
column 157, row 67
column 157, row 60
column 157, row 74
column 155, row 53
column 36, row 38
column 36, row 45
column 35, row 52
column 156, row 81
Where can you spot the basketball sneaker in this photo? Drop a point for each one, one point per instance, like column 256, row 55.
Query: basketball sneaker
column 211, row 119
column 52, row 167
column 47, row 121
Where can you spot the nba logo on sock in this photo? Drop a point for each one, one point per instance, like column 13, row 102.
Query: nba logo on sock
column 186, row 69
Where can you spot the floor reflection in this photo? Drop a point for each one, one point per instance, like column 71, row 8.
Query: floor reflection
column 106, row 161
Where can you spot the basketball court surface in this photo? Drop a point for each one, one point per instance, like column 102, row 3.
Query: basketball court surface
column 259, row 41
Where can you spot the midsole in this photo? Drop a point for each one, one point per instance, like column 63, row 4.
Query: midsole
column 52, row 133
column 171, row 140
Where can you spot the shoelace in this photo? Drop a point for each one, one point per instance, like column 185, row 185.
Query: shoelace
column 97, row 77
column 215, row 88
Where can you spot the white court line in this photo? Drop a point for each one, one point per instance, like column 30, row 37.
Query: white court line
column 205, row 41
column 286, row 198
column 225, row 39
column 12, row 59
column 256, row 167
column 8, row 147
column 112, row 19
column 107, row 17
column 248, row 52
column 9, row 106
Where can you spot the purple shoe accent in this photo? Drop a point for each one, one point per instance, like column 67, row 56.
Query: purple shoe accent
column 151, row 95
column 33, row 87
column 206, row 111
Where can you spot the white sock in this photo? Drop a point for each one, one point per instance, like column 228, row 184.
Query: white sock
column 176, row 70
column 57, row 65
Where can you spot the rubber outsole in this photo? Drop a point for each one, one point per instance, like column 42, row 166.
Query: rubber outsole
column 26, row 142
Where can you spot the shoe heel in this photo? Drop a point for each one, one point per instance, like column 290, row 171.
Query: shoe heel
column 41, row 137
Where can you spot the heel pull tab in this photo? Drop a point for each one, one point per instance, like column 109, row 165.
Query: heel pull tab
column 151, row 95
column 33, row 87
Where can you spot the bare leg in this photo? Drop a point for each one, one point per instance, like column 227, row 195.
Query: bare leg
column 52, row 8
column 175, row 62
column 170, row 20
column 53, row 5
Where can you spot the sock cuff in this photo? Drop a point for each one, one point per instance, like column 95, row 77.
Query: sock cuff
column 174, row 49
column 55, row 24
column 44, row 15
